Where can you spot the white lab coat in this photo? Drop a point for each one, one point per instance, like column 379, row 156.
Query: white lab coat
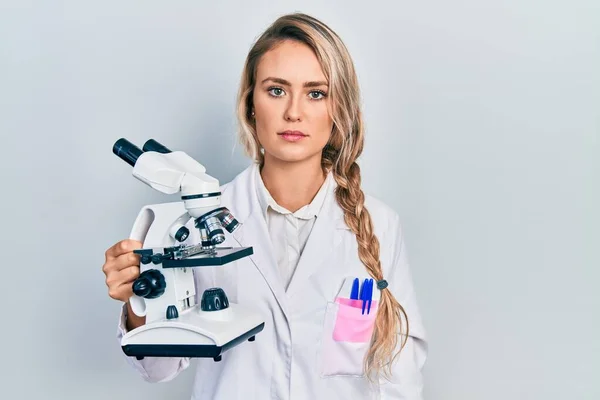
column 295, row 357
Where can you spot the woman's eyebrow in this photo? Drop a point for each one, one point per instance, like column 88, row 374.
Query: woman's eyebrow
column 286, row 83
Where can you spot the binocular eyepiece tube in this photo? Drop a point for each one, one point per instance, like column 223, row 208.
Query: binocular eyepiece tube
column 129, row 152
column 153, row 145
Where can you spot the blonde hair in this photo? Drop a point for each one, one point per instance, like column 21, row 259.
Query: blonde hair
column 339, row 155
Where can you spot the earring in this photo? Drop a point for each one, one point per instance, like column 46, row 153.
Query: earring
column 252, row 113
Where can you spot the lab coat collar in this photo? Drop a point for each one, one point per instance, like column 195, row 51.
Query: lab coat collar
column 308, row 211
column 243, row 198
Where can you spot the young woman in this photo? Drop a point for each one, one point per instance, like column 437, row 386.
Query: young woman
column 313, row 231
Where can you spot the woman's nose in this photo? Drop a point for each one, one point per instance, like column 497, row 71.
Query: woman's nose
column 293, row 112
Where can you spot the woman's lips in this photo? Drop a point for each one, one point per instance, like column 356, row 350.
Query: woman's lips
column 292, row 136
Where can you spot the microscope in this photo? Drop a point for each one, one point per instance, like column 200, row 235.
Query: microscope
column 177, row 237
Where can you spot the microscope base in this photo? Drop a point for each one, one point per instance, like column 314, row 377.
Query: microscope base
column 195, row 333
column 188, row 350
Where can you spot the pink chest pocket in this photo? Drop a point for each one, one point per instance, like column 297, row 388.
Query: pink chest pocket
column 351, row 325
column 347, row 330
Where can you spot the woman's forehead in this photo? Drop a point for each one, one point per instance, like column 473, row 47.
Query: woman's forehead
column 293, row 62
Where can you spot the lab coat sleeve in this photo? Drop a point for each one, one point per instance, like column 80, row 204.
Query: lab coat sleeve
column 406, row 381
column 152, row 369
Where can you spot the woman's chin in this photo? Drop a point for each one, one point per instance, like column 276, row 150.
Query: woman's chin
column 293, row 155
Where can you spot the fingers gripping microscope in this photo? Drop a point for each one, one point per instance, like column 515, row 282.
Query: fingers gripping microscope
column 165, row 291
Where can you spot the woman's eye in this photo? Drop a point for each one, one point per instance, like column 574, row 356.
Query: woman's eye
column 317, row 95
column 276, row 91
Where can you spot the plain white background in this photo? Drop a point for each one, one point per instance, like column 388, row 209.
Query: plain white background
column 482, row 118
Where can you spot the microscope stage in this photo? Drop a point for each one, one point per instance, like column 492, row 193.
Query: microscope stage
column 222, row 257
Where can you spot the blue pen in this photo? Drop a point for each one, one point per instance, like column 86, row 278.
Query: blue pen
column 354, row 293
column 364, row 293
column 370, row 293
column 362, row 290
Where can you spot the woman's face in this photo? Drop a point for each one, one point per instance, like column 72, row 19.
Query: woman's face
column 291, row 104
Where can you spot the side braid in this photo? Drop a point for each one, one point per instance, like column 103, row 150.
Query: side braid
column 388, row 321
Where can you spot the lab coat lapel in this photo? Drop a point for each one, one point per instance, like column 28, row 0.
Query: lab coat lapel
column 253, row 232
column 322, row 244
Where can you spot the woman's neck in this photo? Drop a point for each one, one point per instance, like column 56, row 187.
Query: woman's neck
column 292, row 184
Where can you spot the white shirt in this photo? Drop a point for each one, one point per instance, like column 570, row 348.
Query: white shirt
column 288, row 230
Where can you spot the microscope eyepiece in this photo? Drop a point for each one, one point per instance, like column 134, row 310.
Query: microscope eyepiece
column 127, row 151
column 153, row 145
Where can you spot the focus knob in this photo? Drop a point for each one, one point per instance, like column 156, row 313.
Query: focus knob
column 182, row 234
column 150, row 284
column 145, row 259
column 214, row 299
